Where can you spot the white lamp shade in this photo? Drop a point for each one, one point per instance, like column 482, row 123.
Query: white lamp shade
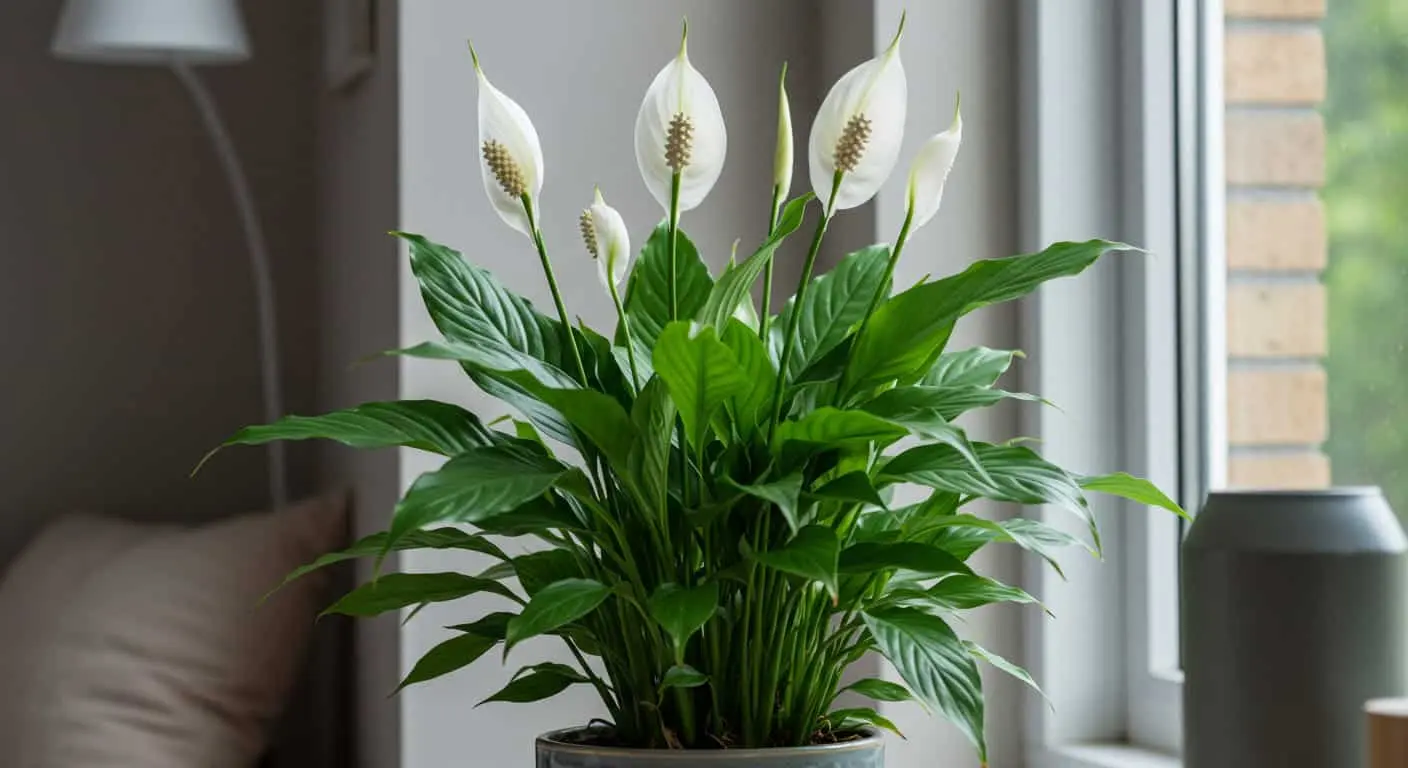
column 151, row 32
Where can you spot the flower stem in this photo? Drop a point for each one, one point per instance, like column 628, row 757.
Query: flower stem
column 552, row 285
column 882, row 289
column 630, row 339
column 766, row 315
column 674, row 244
column 802, row 285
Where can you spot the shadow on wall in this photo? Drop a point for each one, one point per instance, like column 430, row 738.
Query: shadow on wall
column 126, row 307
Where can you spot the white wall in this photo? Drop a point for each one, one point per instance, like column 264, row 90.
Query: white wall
column 579, row 70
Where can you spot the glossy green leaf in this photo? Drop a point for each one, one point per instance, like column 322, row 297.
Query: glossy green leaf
column 854, row 487
column 1015, row 474
column 1003, row 665
column 783, row 494
column 834, row 304
column 835, row 428
column 859, row 717
column 647, row 300
column 976, row 367
column 1136, row 489
column 553, row 606
column 682, row 611
column 394, row 591
column 935, row 664
column 964, row 591
column 811, row 554
column 540, row 682
column 751, row 406
column 910, row 329
column 537, row 570
column 376, row 545
column 456, row 653
column 648, row 461
column 473, row 487
column 682, row 676
column 491, row 625
column 867, row 557
column 425, row 424
column 700, row 372
column 536, row 516
column 880, row 690
column 919, row 410
column 598, row 416
column 736, row 281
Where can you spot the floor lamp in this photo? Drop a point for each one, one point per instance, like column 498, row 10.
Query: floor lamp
column 180, row 34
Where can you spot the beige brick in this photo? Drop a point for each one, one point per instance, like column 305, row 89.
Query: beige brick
column 1271, row 235
column 1290, row 470
column 1274, row 9
column 1276, row 320
column 1274, row 67
column 1276, row 407
column 1275, row 149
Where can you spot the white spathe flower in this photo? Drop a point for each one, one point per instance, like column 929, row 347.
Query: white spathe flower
column 680, row 129
column 608, row 242
column 510, row 155
column 782, row 158
column 859, row 128
column 930, row 170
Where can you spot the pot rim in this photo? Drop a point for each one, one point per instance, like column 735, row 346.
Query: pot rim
column 552, row 740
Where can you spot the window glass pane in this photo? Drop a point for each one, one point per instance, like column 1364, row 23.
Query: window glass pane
column 1317, row 251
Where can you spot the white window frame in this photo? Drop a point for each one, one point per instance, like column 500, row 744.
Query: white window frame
column 1119, row 138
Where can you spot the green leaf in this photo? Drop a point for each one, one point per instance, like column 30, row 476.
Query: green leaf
column 911, row 328
column 811, row 554
column 536, row 685
column 473, row 487
column 835, row 428
column 1136, row 489
column 752, row 405
column 600, row 418
column 880, row 690
column 700, row 372
column 976, row 367
column 559, row 603
column 736, row 281
column 964, row 591
column 491, row 625
column 867, row 557
column 425, row 424
column 1003, row 665
column 935, row 664
column 394, row 591
column 456, row 653
column 782, row 494
column 537, row 570
column 835, row 302
column 647, row 299
column 854, row 487
column 536, row 516
column 682, row 611
column 682, row 676
column 1015, row 474
column 918, row 410
column 648, row 461
column 859, row 717
column 375, row 545
column 964, row 534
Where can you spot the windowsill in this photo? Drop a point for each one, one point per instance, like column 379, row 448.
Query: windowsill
column 1103, row 756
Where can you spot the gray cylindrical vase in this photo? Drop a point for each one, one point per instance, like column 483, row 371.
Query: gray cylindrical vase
column 1293, row 616
column 565, row 749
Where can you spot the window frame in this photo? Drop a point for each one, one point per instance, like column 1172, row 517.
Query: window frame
column 1162, row 189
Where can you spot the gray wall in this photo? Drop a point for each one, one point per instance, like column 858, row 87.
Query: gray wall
column 127, row 328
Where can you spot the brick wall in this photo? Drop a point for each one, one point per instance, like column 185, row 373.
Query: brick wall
column 1276, row 244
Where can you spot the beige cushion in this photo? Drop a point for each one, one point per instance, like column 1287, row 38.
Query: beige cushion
column 126, row 645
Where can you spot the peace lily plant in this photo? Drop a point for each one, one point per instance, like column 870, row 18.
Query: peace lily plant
column 711, row 487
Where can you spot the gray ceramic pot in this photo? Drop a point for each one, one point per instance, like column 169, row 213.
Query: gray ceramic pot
column 1293, row 616
column 558, row 750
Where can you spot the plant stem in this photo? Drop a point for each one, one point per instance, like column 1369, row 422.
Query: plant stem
column 552, row 285
column 884, row 286
column 674, row 231
column 630, row 339
column 765, row 317
column 802, row 285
